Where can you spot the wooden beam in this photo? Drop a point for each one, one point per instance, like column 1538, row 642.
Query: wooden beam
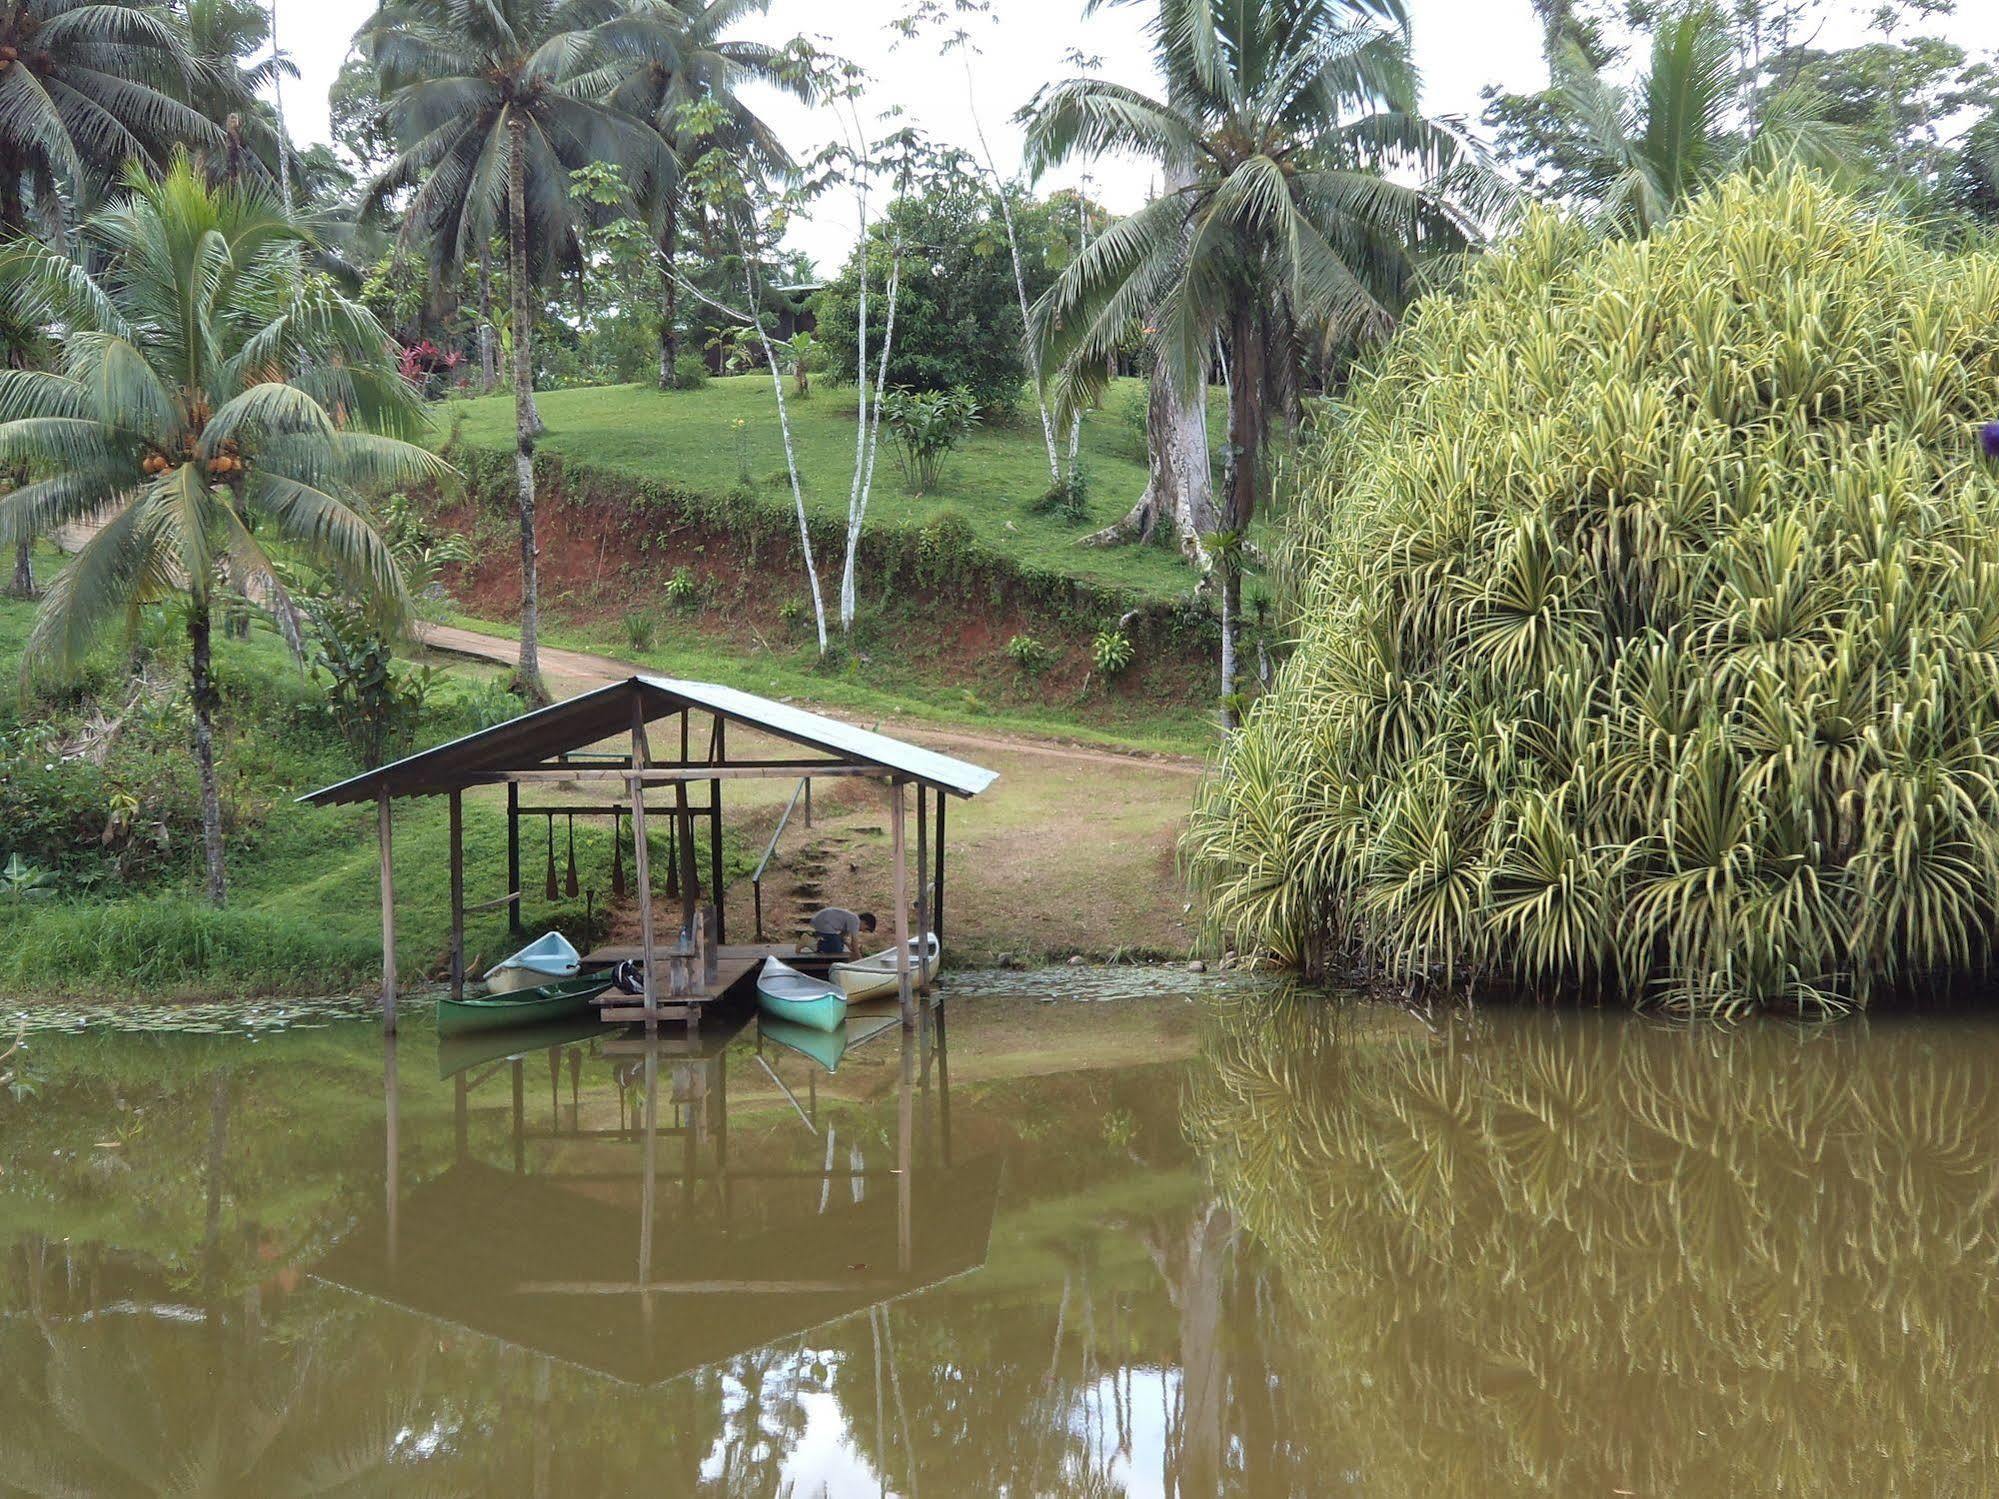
column 457, row 895
column 388, row 912
column 922, row 887
column 665, row 775
column 642, row 869
column 897, row 812
column 871, row 1285
column 716, row 894
column 514, row 856
column 937, row 890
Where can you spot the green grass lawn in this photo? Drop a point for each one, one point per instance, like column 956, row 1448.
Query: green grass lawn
column 689, row 438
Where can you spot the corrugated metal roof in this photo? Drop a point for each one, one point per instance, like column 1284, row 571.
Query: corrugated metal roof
column 564, row 727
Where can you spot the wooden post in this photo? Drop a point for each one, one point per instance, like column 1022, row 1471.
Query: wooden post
column 514, row 856
column 457, row 895
column 392, row 1149
column 937, row 888
column 388, row 913
column 642, row 868
column 716, row 896
column 922, row 887
column 899, row 837
column 905, row 1152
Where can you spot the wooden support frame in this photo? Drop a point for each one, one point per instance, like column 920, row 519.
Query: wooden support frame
column 457, row 895
column 642, row 872
column 899, row 839
column 514, row 857
column 937, row 884
column 718, row 751
column 383, row 838
column 922, row 888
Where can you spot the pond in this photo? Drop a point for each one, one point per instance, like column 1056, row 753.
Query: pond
column 1087, row 1236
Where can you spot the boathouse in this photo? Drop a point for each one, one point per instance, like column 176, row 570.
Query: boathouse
column 612, row 738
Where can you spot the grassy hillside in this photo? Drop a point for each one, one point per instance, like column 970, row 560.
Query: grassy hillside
column 689, row 439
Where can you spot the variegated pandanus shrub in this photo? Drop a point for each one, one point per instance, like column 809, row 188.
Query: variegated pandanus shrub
column 1647, row 600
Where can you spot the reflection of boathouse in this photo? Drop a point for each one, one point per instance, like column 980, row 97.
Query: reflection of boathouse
column 647, row 1252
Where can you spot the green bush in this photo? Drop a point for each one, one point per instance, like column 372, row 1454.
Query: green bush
column 1647, row 601
column 683, row 589
column 927, row 425
column 690, row 371
column 1030, row 655
column 641, row 629
column 1112, row 652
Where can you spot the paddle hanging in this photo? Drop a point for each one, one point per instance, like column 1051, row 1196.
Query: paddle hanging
column 569, row 884
column 618, row 857
column 550, row 887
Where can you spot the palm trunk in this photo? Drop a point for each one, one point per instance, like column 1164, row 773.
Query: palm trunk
column 489, row 357
column 202, row 670
column 527, row 423
column 1178, row 487
column 23, row 584
column 669, row 292
column 1245, row 457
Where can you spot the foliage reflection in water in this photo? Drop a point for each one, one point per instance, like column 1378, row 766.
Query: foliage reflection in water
column 1250, row 1245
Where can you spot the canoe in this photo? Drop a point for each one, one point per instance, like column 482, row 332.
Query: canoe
column 875, row 977
column 784, row 992
column 542, row 961
column 511, row 1009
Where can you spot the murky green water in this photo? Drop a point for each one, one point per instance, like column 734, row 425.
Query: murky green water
column 1090, row 1240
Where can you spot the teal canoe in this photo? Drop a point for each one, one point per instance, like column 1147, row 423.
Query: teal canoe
column 787, row 994
column 827, row 1048
column 562, row 1000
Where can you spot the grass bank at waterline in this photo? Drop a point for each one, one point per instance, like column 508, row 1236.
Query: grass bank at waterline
column 1648, row 604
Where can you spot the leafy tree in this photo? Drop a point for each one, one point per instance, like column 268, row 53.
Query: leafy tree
column 1288, row 117
column 492, row 108
column 958, row 316
column 210, row 407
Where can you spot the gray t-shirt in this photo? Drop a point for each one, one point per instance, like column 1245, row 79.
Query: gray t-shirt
column 836, row 921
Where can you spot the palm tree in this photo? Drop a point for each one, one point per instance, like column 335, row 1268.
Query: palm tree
column 223, row 38
column 85, row 87
column 1650, row 146
column 672, row 56
column 492, row 107
column 209, row 406
column 1281, row 123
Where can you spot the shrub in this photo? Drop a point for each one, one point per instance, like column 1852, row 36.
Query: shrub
column 690, row 371
column 927, row 425
column 791, row 613
column 1068, row 498
column 641, row 629
column 1647, row 601
column 683, row 589
column 1111, row 651
column 1030, row 655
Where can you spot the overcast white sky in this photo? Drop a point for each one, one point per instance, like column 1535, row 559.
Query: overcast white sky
column 1461, row 46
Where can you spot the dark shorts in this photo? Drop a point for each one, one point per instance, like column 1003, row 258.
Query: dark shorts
column 832, row 942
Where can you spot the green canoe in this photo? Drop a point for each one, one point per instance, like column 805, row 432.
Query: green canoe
column 824, row 1047
column 787, row 994
column 520, row 1007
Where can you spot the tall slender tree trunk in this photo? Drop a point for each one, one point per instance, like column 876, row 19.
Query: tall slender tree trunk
column 1246, row 395
column 1179, row 489
column 201, row 666
column 669, row 300
column 489, row 351
column 527, row 423
column 22, row 585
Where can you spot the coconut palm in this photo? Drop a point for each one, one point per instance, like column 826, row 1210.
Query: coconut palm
column 673, row 56
column 85, row 87
column 1291, row 113
column 1652, row 145
column 210, row 407
column 492, row 107
column 224, row 36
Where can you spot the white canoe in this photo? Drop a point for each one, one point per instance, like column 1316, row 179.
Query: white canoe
column 875, row 977
column 543, row 960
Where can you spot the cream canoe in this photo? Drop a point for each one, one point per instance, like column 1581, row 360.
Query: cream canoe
column 875, row 977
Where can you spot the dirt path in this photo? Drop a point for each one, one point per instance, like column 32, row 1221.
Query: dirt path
column 585, row 671
column 1071, row 852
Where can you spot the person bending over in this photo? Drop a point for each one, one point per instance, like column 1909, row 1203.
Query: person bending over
column 837, row 931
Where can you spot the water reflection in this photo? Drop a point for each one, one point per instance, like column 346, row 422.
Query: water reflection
column 1250, row 1247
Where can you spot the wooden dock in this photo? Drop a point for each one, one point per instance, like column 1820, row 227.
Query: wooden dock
column 735, row 973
